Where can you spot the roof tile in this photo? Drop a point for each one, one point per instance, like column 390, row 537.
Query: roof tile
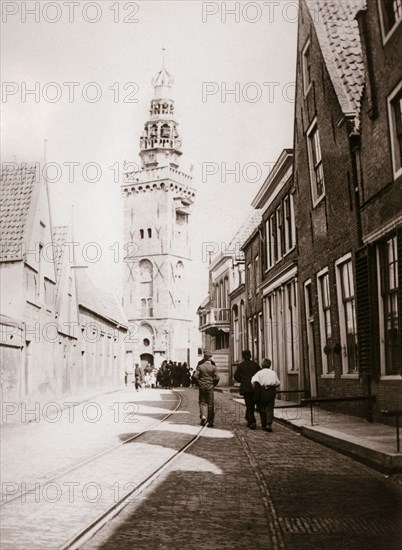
column 17, row 185
column 339, row 38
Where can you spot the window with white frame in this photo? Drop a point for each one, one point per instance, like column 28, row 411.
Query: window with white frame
column 306, row 67
column 290, row 328
column 390, row 14
column 256, row 273
column 347, row 315
column 250, row 334
column 242, row 326
column 289, row 223
column 255, row 339
column 271, row 236
column 315, row 162
column 389, row 288
column 280, row 231
column 324, row 302
column 248, row 282
column 278, row 244
column 260, row 337
column 236, row 333
column 269, row 326
column 309, row 314
column 395, row 126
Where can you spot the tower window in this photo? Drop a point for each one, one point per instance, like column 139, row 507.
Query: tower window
column 141, row 233
column 165, row 131
column 149, row 232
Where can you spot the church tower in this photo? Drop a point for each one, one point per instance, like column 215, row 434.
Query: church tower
column 157, row 209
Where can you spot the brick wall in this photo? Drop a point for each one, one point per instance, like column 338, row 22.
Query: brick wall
column 329, row 230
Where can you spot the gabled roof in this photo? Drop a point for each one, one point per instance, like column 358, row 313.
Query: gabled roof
column 233, row 249
column 338, row 34
column 60, row 234
column 17, row 189
column 246, row 230
column 98, row 301
column 277, row 177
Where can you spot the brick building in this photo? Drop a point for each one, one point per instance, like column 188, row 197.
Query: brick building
column 347, row 134
column 379, row 156
column 253, row 297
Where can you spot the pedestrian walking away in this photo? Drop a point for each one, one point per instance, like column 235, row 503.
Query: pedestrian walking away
column 206, row 378
column 244, row 373
column 265, row 383
column 138, row 377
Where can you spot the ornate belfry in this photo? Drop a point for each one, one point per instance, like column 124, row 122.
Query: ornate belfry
column 160, row 143
column 157, row 208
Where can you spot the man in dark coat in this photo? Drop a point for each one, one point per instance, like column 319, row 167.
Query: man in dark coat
column 244, row 373
column 206, row 377
column 138, row 377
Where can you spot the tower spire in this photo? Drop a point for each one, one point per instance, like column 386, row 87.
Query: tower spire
column 160, row 144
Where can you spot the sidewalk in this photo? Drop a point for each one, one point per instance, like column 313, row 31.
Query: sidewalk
column 371, row 443
column 13, row 413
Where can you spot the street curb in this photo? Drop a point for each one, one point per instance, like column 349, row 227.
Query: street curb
column 387, row 463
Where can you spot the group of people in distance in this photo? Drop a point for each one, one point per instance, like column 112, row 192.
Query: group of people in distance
column 169, row 375
column 174, row 375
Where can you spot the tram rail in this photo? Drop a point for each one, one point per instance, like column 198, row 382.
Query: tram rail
column 92, row 458
column 83, row 536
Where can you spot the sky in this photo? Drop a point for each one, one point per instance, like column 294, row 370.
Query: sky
column 91, row 67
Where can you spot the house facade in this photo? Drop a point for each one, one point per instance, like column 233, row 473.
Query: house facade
column 379, row 154
column 222, row 320
column 347, row 203
column 60, row 335
column 278, row 327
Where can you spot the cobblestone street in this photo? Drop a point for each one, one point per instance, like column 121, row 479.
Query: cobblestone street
column 234, row 488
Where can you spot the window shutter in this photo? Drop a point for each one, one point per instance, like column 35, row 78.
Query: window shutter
column 366, row 311
column 399, row 249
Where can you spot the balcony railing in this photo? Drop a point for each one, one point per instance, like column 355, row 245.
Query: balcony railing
column 215, row 318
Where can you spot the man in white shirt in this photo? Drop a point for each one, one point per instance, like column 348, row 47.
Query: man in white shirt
column 265, row 382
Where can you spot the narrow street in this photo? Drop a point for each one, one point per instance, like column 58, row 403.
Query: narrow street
column 233, row 488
